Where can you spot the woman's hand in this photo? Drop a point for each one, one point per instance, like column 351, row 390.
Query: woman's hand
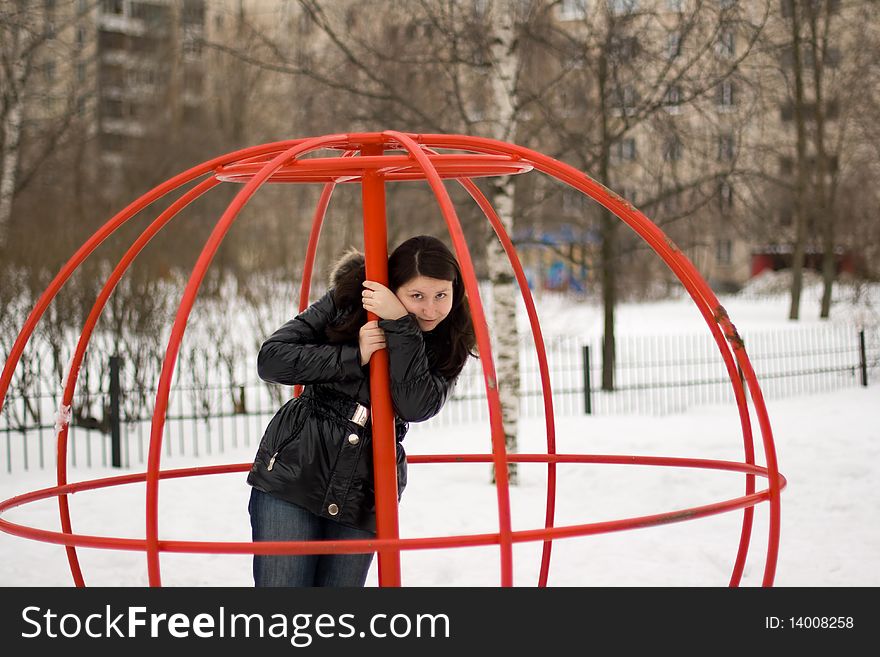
column 380, row 300
column 370, row 340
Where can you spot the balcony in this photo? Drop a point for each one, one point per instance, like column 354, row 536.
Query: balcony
column 123, row 24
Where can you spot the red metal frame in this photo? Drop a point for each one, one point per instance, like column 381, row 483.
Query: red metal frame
column 364, row 160
column 382, row 412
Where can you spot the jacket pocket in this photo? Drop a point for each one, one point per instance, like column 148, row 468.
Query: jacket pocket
column 292, row 435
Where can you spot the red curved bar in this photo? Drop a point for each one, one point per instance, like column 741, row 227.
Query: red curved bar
column 483, row 345
column 390, row 167
column 327, row 547
column 85, row 336
column 311, row 251
column 384, row 439
column 179, row 327
column 540, row 350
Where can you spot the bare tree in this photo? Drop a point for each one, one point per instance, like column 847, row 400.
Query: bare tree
column 817, row 52
column 36, row 46
column 626, row 70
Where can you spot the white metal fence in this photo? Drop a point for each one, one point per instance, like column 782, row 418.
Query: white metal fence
column 217, row 401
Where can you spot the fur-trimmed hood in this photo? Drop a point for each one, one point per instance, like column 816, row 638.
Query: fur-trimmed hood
column 347, row 278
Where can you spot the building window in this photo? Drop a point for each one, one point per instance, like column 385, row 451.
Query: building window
column 832, row 109
column 673, row 45
column 673, row 149
column 786, row 166
column 624, row 49
column 671, row 203
column 192, row 44
column 726, row 94
column 194, row 12
column 726, row 147
column 625, row 99
column 624, row 149
column 49, row 69
column 573, row 202
column 192, row 79
column 571, row 10
column 629, row 194
column 623, row 6
column 572, row 101
column 726, row 46
column 724, row 251
column 832, row 57
column 111, row 40
column 81, row 72
column 672, row 99
column 112, row 108
column 725, row 197
column 833, row 6
column 113, row 7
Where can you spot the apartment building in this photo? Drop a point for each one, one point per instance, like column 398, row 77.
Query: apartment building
column 700, row 131
column 149, row 71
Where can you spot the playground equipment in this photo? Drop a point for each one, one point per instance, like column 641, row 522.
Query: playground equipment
column 373, row 160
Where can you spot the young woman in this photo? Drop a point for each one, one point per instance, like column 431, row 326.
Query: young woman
column 312, row 477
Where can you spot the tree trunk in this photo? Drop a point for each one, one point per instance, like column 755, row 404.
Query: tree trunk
column 800, row 219
column 823, row 194
column 11, row 147
column 609, row 231
column 506, row 335
column 609, row 296
column 503, row 81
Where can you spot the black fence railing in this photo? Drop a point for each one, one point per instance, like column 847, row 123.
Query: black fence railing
column 217, row 402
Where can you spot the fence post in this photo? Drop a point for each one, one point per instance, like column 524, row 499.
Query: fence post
column 588, row 392
column 115, row 433
column 863, row 358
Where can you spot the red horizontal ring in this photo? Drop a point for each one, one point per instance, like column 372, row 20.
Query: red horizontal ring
column 352, row 546
column 391, row 167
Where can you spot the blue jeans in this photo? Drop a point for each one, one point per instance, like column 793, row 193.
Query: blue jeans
column 273, row 519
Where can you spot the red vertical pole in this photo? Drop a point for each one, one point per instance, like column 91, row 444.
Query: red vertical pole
column 382, row 412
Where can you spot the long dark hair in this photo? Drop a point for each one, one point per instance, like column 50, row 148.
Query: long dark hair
column 453, row 340
column 448, row 345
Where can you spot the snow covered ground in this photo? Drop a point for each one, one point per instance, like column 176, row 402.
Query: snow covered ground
column 828, row 448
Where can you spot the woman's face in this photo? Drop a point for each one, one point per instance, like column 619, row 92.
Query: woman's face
column 429, row 299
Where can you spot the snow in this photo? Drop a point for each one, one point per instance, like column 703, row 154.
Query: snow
column 828, row 448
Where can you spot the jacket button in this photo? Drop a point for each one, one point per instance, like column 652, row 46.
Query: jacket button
column 332, row 509
column 354, row 439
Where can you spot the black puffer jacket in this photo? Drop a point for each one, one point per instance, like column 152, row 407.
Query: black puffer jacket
column 312, row 453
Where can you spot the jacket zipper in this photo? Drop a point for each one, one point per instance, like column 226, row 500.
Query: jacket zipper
column 293, row 435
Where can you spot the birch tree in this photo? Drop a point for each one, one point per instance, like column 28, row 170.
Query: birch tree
column 503, row 80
